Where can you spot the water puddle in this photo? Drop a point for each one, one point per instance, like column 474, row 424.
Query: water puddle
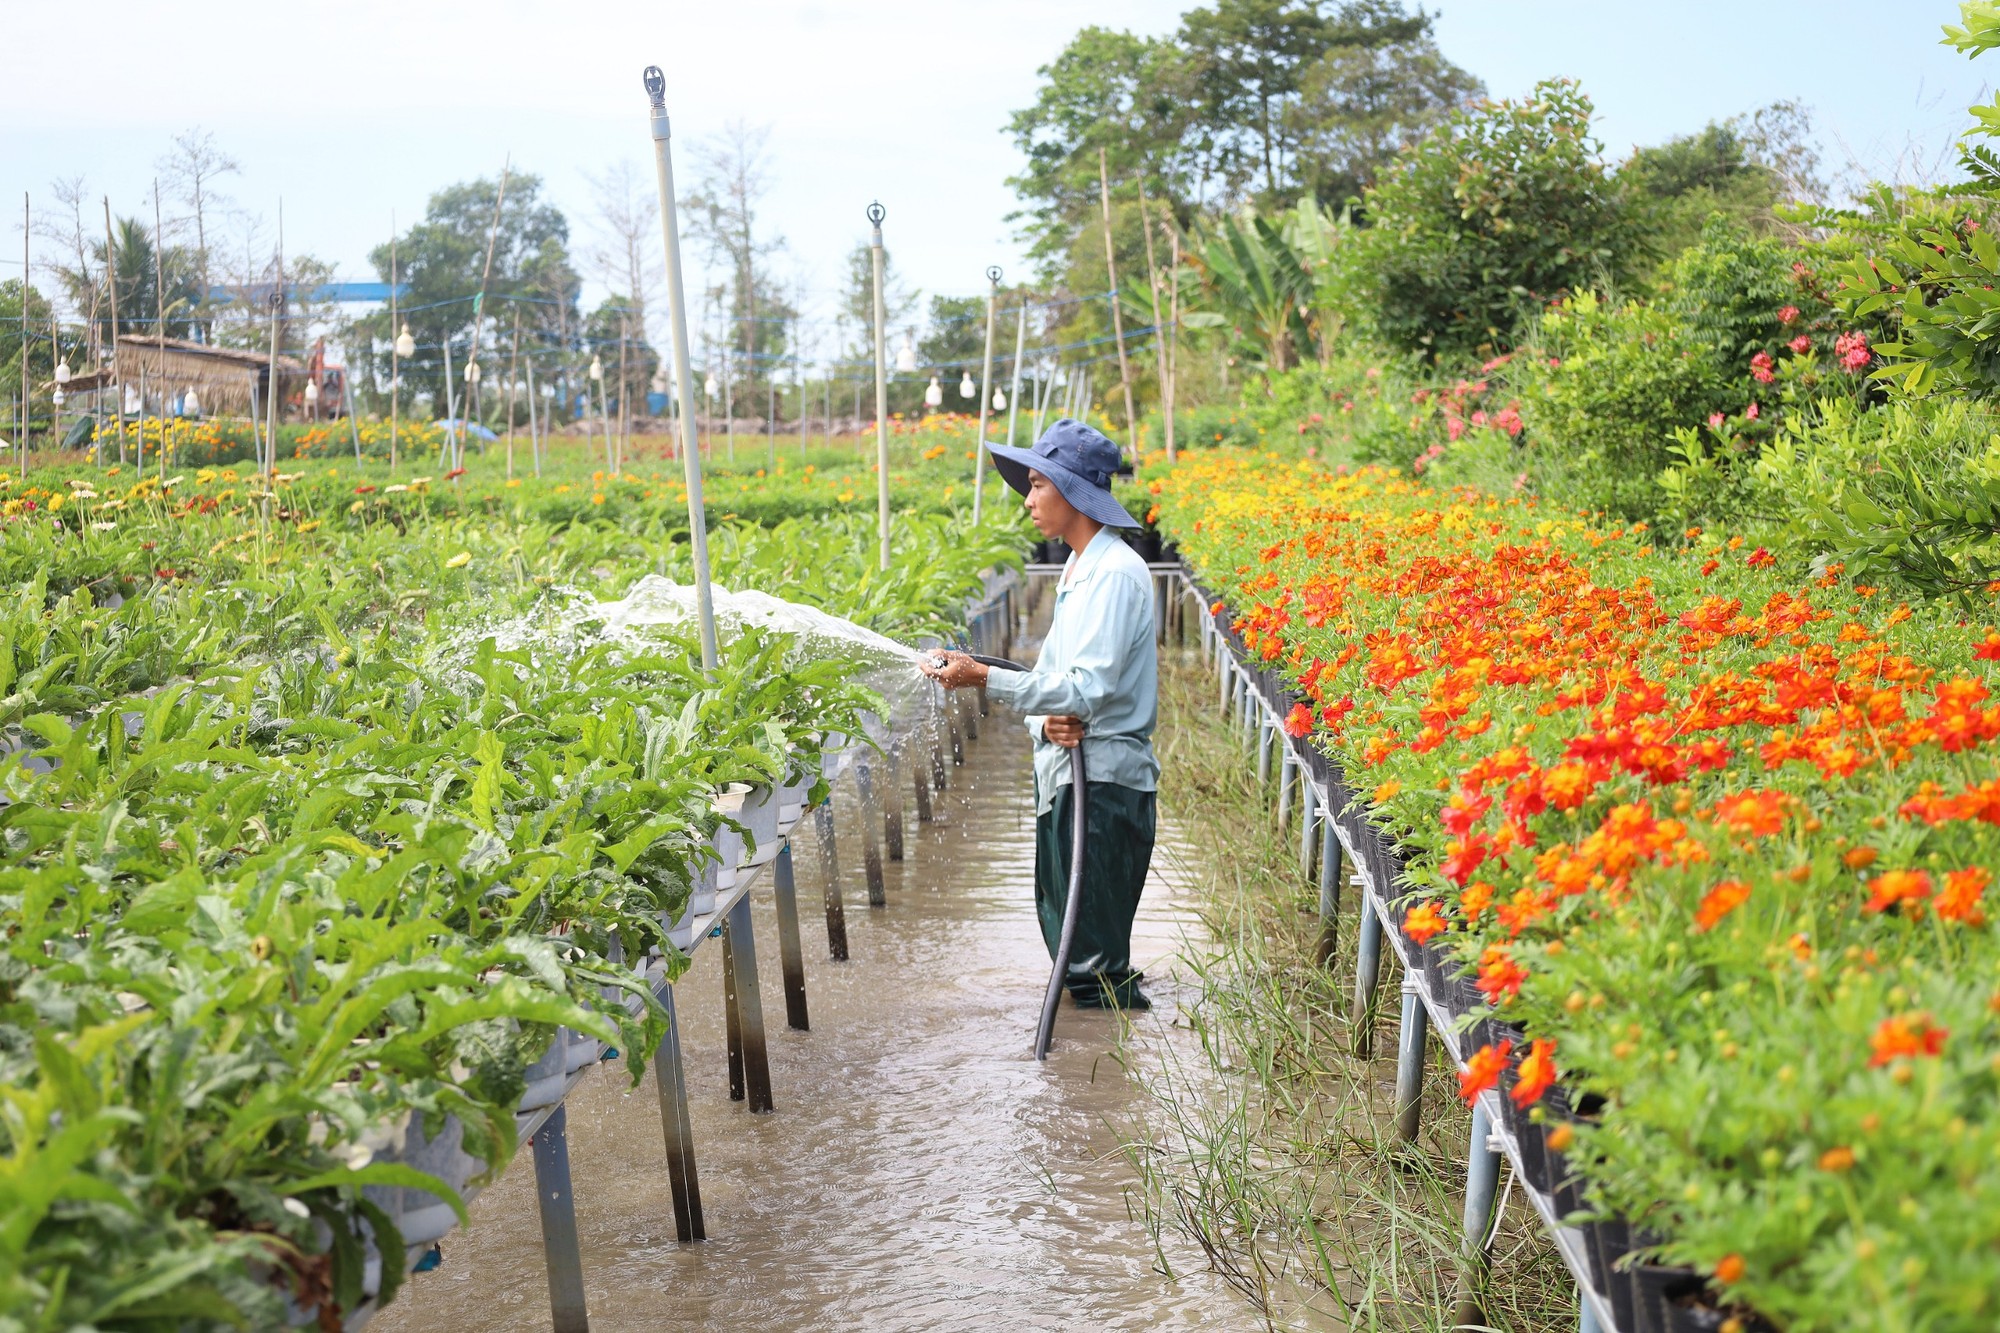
column 921, row 1170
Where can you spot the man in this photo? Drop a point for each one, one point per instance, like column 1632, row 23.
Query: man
column 1095, row 685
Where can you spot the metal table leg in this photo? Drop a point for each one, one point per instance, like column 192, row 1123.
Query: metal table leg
column 671, row 1076
column 892, row 803
column 829, row 857
column 1330, row 874
column 1410, row 1048
column 1367, row 978
column 1482, row 1182
column 558, row 1209
column 871, row 850
column 740, row 952
column 784, row 891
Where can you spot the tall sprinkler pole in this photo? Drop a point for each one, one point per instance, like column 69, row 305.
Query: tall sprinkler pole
column 670, row 233
column 875, row 215
column 985, row 399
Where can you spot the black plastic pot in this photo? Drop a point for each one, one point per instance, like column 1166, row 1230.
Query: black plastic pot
column 1655, row 1290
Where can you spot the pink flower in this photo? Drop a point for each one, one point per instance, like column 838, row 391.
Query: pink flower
column 1555, row 363
column 1801, row 344
column 1789, row 313
column 1852, row 349
column 1760, row 368
column 1508, row 419
column 1453, row 428
column 1715, row 420
column 1479, row 418
column 1750, row 412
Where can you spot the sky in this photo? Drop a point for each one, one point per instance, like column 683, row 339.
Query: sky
column 353, row 115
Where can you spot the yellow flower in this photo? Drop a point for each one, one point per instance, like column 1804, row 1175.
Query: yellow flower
column 513, row 481
column 598, row 498
column 459, row 561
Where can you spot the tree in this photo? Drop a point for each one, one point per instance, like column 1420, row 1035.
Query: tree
column 628, row 259
column 1361, row 104
column 1499, row 211
column 732, row 179
column 441, row 259
column 191, row 170
column 1675, row 187
column 954, row 337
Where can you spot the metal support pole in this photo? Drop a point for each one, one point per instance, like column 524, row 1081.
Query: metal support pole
column 739, row 950
column 892, row 802
column 1410, row 1062
column 732, row 1018
column 1586, row 1322
column 1330, row 870
column 1265, row 734
column 871, row 851
column 671, row 1076
column 557, row 1204
column 1482, row 1185
column 951, row 713
column 1367, row 979
column 875, row 215
column 985, row 400
column 784, row 893
column 656, row 85
column 920, row 785
column 1287, row 766
column 971, row 713
column 1308, row 831
column 1014, row 388
column 829, row 858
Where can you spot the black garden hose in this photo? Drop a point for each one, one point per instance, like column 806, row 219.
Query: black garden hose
column 1078, row 810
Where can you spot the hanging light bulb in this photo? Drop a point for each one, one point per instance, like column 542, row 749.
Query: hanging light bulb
column 906, row 355
column 472, row 372
column 711, row 388
column 596, row 369
column 935, row 394
column 191, row 402
column 966, row 388
column 58, row 396
column 312, row 393
column 999, row 399
column 62, row 372
column 405, row 344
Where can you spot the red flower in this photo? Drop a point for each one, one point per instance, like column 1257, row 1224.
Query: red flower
column 1760, row 368
column 1788, row 314
column 1500, row 977
column 1299, row 721
column 363, row 490
column 1715, row 420
column 1536, row 1075
column 1801, row 344
column 1750, row 412
column 1904, row 1037
column 1853, row 351
column 1989, row 647
column 1762, row 559
column 454, row 474
column 1960, row 899
column 1482, row 1071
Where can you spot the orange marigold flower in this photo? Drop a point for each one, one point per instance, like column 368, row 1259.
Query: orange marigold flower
column 1959, row 900
column 1729, row 1269
column 1898, row 887
column 1858, row 858
column 1837, row 1159
column 1536, row 1075
column 1757, row 813
column 1423, row 922
column 1762, row 559
column 1905, row 1036
column 1567, row 786
column 1299, row 721
column 1482, row 1071
column 1388, row 791
column 1476, row 898
column 1500, row 977
column 1719, row 902
column 1216, row 608
column 1989, row 647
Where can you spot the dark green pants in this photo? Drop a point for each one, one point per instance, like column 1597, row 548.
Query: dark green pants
column 1117, row 849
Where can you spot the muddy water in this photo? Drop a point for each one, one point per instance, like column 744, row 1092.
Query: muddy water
column 921, row 1170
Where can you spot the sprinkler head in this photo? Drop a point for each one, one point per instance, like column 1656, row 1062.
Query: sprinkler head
column 993, row 274
column 656, row 87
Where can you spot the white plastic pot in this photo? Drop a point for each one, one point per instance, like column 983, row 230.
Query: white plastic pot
column 760, row 816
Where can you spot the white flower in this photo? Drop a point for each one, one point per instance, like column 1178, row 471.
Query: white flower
column 297, row 1209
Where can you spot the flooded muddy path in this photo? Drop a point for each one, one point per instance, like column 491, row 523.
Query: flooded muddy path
column 921, row 1170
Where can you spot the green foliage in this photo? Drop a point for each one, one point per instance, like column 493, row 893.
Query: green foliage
column 1729, row 288
column 1601, row 394
column 1678, row 186
column 1260, row 291
column 1504, row 208
column 1907, row 494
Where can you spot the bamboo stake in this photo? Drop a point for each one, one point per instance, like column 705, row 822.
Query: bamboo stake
column 159, row 325
column 395, row 357
column 478, row 311
column 513, row 369
column 27, row 223
column 1014, row 392
column 1169, row 390
column 1111, row 267
column 1153, row 286
column 117, row 373
column 875, row 215
column 985, row 399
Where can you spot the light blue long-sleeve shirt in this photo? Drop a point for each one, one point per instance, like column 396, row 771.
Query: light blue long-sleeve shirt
column 1099, row 663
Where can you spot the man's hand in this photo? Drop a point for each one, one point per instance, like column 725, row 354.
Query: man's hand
column 954, row 671
column 1063, row 730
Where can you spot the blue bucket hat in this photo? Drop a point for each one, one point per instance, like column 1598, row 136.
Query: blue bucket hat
column 1079, row 460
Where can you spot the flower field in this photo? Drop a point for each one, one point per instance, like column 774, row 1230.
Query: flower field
column 1711, row 835
column 318, row 821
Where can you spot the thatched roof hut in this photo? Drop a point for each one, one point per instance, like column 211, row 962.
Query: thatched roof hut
column 222, row 377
